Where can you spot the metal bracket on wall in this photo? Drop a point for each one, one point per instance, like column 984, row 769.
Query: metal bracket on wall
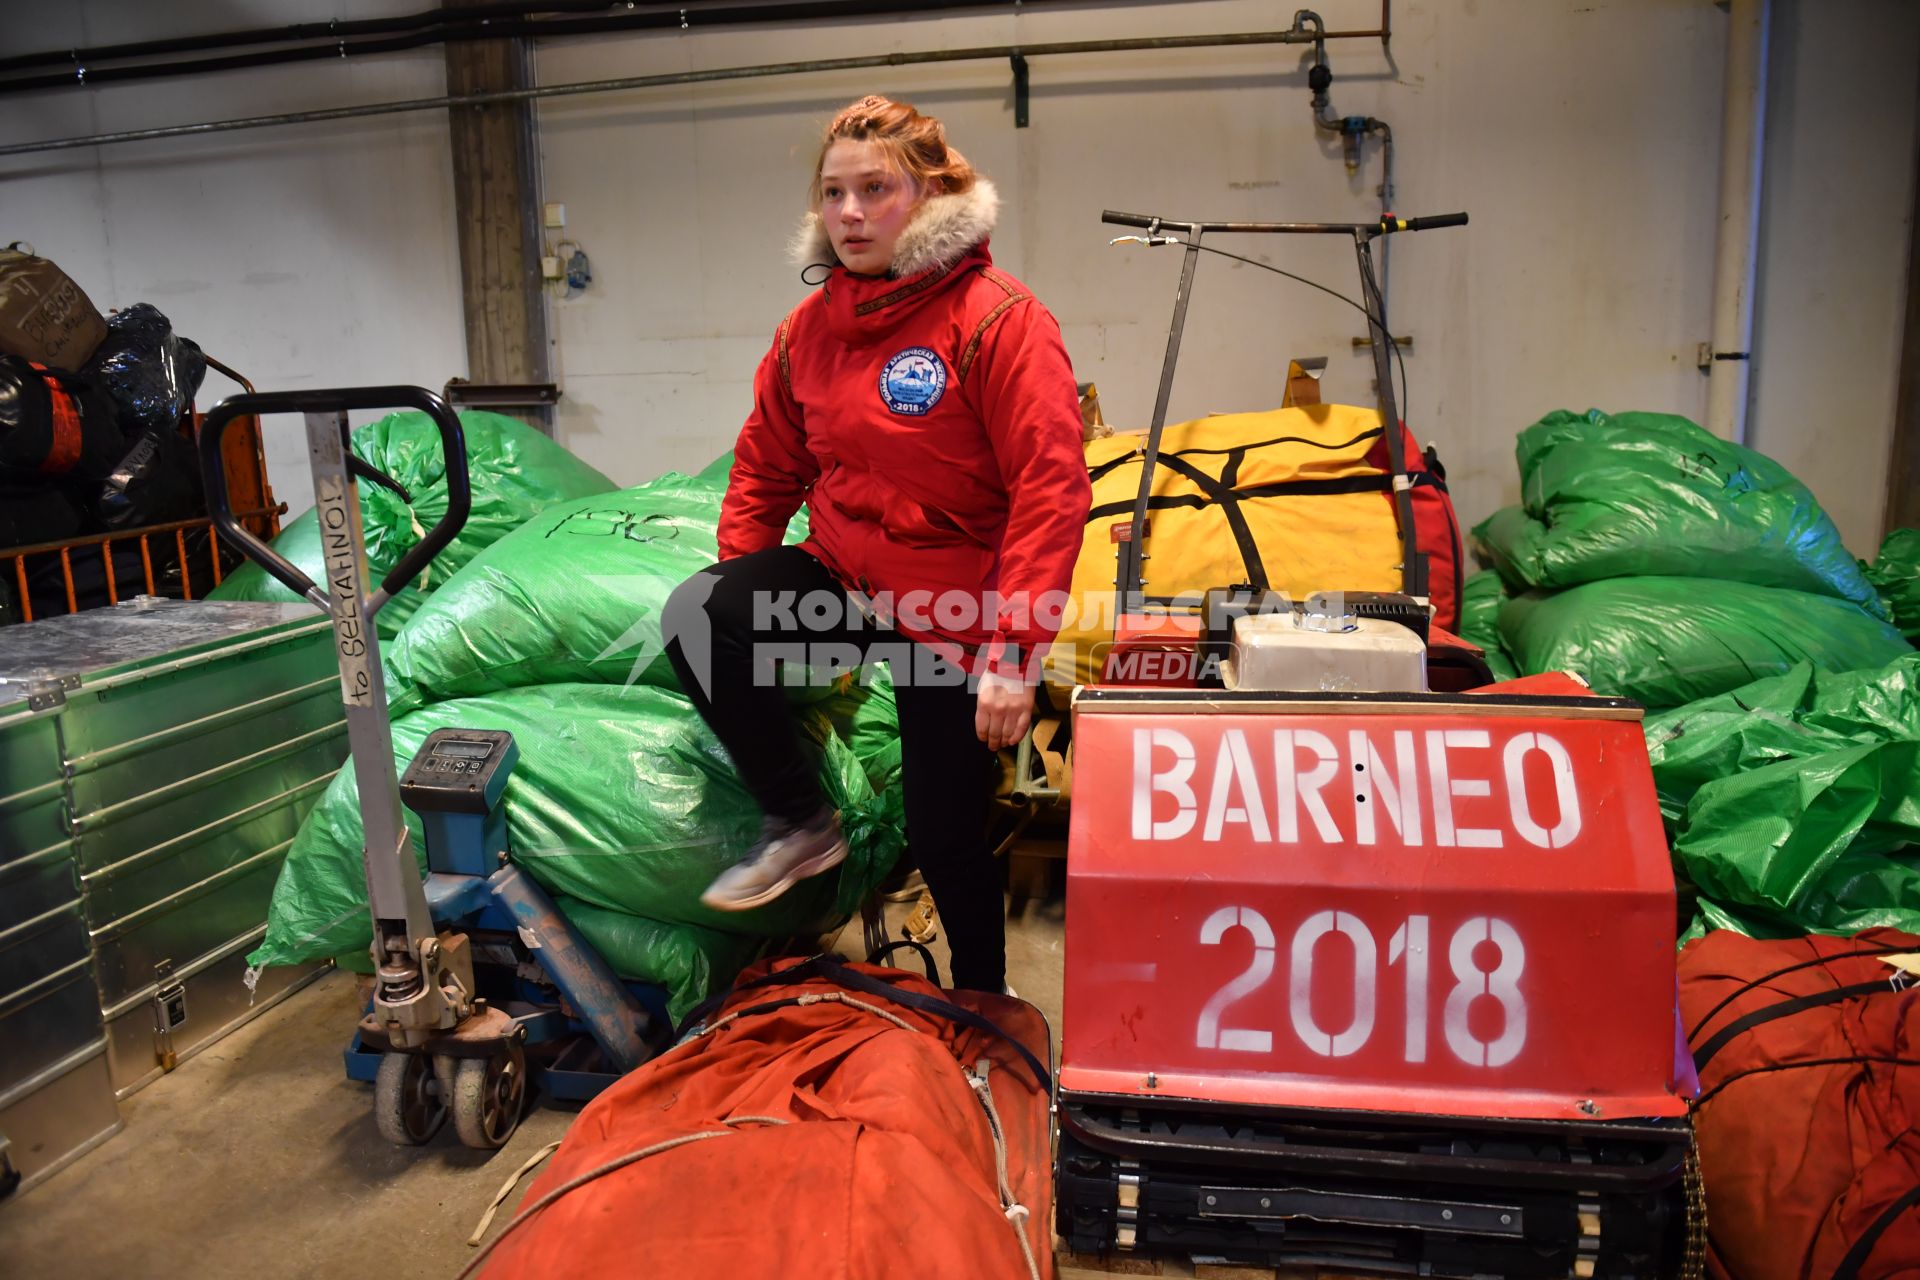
column 1705, row 355
column 462, row 394
column 1020, row 91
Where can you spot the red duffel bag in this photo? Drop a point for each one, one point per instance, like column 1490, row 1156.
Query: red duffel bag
column 843, row 1121
column 1809, row 1057
column 1436, row 530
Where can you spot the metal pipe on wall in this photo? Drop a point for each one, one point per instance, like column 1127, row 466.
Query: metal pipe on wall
column 995, row 53
column 362, row 39
column 332, row 29
column 340, row 40
column 1737, row 246
column 1350, row 129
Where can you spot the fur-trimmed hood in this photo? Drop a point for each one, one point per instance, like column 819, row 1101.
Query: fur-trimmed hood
column 943, row 229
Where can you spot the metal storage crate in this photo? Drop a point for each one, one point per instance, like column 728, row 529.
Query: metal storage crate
column 56, row 1101
column 156, row 759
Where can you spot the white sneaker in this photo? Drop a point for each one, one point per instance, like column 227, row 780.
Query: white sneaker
column 784, row 855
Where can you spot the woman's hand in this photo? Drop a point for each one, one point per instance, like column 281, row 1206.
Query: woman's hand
column 1004, row 710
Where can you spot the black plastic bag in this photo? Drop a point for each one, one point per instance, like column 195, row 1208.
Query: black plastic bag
column 158, row 480
column 36, row 509
column 150, row 371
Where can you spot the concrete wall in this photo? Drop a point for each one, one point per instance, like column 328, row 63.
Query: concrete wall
column 1583, row 140
column 1582, row 137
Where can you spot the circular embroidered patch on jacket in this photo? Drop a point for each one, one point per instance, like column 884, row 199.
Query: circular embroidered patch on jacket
column 913, row 381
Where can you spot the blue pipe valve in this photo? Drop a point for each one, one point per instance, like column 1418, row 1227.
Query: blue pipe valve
column 1352, row 129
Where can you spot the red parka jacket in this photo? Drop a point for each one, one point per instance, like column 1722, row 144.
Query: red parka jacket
column 929, row 421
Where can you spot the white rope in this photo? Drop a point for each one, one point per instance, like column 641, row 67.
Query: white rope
column 815, row 997
column 1017, row 1213
column 506, row 1189
column 620, row 1162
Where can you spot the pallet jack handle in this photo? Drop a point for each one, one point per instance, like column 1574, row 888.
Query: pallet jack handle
column 334, row 404
column 406, row 950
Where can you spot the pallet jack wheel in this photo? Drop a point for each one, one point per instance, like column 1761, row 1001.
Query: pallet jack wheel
column 487, row 1095
column 408, row 1104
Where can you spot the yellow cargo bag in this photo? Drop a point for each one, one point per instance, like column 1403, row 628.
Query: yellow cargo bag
column 1292, row 487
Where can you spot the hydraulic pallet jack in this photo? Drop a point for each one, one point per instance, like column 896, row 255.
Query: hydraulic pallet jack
column 1376, row 979
column 482, row 988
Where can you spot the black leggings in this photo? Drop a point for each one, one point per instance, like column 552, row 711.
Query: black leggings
column 743, row 612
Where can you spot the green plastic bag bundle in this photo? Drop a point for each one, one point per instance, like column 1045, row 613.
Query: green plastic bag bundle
column 515, row 472
column 1634, row 494
column 717, row 472
column 1810, row 845
column 1508, row 541
column 1795, row 801
column 874, row 732
column 690, row 962
column 573, row 595
column 1801, row 712
column 1481, row 596
column 621, row 800
column 1669, row 641
column 1895, row 573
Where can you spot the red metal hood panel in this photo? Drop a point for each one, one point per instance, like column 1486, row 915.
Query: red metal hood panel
column 1452, row 905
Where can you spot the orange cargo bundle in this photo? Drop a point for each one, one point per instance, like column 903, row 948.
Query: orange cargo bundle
column 830, row 1120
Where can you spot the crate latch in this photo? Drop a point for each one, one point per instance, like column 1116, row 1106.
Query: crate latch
column 169, row 1011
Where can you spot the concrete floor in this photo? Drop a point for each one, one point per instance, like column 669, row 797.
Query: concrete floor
column 258, row 1157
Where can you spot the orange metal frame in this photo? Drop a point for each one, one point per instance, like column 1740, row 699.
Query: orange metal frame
column 246, row 465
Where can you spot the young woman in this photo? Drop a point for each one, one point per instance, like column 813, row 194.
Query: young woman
column 921, row 405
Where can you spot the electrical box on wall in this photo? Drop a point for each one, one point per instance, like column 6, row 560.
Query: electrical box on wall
column 556, row 215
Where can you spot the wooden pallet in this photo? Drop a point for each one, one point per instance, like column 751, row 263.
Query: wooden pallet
column 1109, row 1264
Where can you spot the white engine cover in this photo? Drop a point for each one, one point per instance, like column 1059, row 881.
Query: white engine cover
column 1275, row 652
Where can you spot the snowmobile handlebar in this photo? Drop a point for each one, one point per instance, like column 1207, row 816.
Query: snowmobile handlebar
column 1387, row 225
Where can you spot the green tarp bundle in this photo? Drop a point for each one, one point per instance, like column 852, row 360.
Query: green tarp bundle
column 873, row 732
column 622, row 800
column 1481, row 596
column 573, row 594
column 1895, row 572
column 1668, row 641
column 1661, row 563
column 1637, row 494
column 1666, row 565
column 515, row 472
column 1793, row 802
